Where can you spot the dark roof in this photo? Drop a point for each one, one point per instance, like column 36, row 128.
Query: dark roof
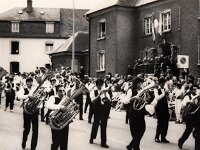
column 81, row 43
column 62, row 15
column 128, row 3
column 38, row 14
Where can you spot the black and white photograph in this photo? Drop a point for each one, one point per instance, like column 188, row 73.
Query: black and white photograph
column 100, row 74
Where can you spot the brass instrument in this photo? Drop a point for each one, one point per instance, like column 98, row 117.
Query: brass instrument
column 143, row 97
column 61, row 118
column 33, row 105
column 193, row 106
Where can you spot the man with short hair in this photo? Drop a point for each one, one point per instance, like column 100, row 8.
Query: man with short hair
column 26, row 94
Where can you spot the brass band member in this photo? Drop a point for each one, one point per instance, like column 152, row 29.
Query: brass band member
column 162, row 111
column 25, row 94
column 101, row 101
column 59, row 137
column 136, row 118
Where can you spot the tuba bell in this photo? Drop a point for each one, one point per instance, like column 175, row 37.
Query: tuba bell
column 61, row 118
column 193, row 106
column 143, row 97
column 39, row 93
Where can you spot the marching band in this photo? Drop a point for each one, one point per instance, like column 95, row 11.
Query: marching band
column 58, row 95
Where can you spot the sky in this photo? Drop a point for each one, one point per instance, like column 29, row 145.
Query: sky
column 88, row 4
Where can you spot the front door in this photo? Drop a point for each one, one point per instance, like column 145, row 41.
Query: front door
column 14, row 67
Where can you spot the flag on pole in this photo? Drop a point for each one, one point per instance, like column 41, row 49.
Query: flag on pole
column 160, row 24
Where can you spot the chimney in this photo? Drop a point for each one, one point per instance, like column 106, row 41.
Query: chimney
column 29, row 7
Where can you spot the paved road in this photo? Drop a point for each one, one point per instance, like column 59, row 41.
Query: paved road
column 11, row 127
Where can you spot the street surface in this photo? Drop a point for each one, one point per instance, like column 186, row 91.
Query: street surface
column 118, row 134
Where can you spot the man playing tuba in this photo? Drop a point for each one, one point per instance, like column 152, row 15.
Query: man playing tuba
column 59, row 137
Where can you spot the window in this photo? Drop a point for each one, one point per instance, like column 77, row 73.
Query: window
column 102, row 29
column 49, row 27
column 166, row 19
column 147, row 25
column 15, row 26
column 101, row 60
column 49, row 47
column 14, row 47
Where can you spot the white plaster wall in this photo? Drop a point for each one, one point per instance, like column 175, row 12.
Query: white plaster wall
column 31, row 53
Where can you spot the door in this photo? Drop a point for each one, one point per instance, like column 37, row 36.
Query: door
column 14, row 67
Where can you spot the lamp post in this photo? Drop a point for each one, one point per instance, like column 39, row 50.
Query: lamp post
column 73, row 42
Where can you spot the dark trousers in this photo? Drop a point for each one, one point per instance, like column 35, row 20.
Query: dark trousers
column 87, row 103
column 137, row 131
column 60, row 138
column 162, row 128
column 188, row 130
column 80, row 109
column 102, row 121
column 9, row 102
column 28, row 120
column 91, row 112
column 42, row 111
column 197, row 138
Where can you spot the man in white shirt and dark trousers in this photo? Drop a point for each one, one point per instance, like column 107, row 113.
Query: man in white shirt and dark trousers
column 59, row 137
column 25, row 95
column 101, row 101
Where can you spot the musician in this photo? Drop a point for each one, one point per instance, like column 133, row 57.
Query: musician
column 188, row 119
column 10, row 93
column 101, row 102
column 79, row 99
column 25, row 94
column 162, row 111
column 51, row 91
column 59, row 137
column 197, row 130
column 136, row 118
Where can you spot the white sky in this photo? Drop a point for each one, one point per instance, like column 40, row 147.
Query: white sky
column 88, row 4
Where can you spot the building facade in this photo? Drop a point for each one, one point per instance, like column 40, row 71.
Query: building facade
column 28, row 34
column 122, row 32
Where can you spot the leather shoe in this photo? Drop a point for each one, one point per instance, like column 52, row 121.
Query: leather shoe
column 180, row 145
column 91, row 141
column 23, row 145
column 164, row 141
column 157, row 140
column 104, row 145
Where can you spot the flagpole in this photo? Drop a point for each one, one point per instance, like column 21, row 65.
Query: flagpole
column 73, row 42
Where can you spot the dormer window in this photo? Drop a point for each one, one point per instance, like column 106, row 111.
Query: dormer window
column 49, row 27
column 15, row 26
column 102, row 29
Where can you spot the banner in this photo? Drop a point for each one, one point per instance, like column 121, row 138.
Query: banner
column 183, row 61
